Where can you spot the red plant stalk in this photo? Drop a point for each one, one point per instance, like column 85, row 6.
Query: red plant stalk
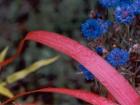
column 81, row 94
column 119, row 87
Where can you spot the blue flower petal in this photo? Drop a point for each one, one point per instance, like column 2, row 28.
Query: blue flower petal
column 124, row 13
column 136, row 7
column 109, row 3
column 87, row 74
column 99, row 50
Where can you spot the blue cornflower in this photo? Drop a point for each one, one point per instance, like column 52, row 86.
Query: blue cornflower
column 87, row 74
column 99, row 50
column 117, row 57
column 124, row 13
column 93, row 28
column 136, row 7
column 109, row 3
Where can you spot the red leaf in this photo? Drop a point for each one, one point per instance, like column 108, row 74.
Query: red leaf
column 121, row 90
column 81, row 94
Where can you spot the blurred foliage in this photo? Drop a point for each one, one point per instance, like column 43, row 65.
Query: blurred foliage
column 21, row 74
column 3, row 90
column 3, row 54
column 18, row 17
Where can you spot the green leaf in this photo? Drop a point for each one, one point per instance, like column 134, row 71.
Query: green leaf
column 6, row 92
column 3, row 54
column 34, row 67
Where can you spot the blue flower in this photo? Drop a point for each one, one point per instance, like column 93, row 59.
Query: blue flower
column 117, row 57
column 93, row 28
column 87, row 74
column 99, row 50
column 136, row 7
column 124, row 13
column 109, row 3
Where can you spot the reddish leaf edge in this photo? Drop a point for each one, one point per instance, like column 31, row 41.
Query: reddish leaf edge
column 25, row 104
column 18, row 52
column 80, row 94
column 115, row 83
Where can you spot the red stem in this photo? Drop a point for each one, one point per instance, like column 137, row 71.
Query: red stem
column 81, row 94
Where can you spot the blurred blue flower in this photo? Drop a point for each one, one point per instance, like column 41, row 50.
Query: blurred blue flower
column 99, row 50
column 136, row 7
column 87, row 74
column 94, row 28
column 109, row 3
column 91, row 29
column 117, row 57
column 124, row 13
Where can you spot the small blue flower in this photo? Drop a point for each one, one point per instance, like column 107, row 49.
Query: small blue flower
column 91, row 29
column 109, row 3
column 99, row 50
column 124, row 13
column 94, row 28
column 117, row 57
column 87, row 74
column 136, row 7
